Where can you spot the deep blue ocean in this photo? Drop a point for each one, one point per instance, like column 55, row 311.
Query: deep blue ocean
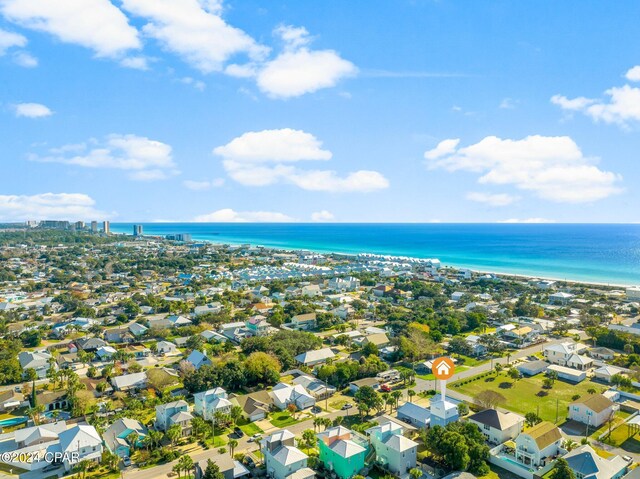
column 604, row 253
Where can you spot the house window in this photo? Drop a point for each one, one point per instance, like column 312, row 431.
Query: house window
column 487, row 427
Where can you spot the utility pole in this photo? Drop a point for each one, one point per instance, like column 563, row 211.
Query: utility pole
column 557, row 403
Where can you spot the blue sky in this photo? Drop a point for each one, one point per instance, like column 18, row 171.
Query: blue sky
column 187, row 110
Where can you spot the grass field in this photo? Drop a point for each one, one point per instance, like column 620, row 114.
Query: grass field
column 527, row 395
column 250, row 429
column 282, row 419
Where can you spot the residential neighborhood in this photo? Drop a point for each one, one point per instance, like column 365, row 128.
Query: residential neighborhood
column 148, row 357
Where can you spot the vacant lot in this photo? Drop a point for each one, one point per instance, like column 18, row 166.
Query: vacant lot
column 527, row 394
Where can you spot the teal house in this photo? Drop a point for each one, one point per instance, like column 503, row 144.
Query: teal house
column 125, row 435
column 342, row 451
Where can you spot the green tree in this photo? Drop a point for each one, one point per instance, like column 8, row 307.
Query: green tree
column 232, row 445
column 561, row 470
column 212, row 471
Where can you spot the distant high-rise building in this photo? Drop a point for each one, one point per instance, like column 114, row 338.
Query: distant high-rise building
column 184, row 237
column 106, row 227
column 79, row 225
column 55, row 224
column 137, row 230
column 94, row 226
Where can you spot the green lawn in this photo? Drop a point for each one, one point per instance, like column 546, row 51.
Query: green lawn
column 527, row 395
column 250, row 429
column 282, row 419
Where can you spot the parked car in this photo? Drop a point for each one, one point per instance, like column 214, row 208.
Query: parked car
column 385, row 388
column 346, row 406
column 126, row 461
column 238, row 432
column 248, row 461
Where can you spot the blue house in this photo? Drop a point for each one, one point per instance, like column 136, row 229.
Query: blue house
column 118, row 437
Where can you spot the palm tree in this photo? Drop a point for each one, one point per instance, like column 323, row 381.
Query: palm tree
column 173, row 434
column 316, row 422
column 186, row 464
column 396, row 395
column 236, row 413
column 110, row 460
column 232, row 445
column 411, row 393
column 385, row 397
column 308, row 439
column 177, row 468
column 390, row 401
column 132, row 440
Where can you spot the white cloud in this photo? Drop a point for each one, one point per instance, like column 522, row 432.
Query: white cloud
column 323, row 215
column 284, row 145
column 227, row 215
column 195, row 31
column 575, row 104
column 52, row 206
column 499, row 199
column 9, row 40
column 136, row 63
column 32, row 110
column 527, row 220
column 145, row 159
column 25, row 59
column 95, row 24
column 197, row 84
column 298, row 69
column 267, row 157
column 445, row 147
column 203, row 185
column 508, row 104
column 552, row 168
column 633, row 74
column 621, row 106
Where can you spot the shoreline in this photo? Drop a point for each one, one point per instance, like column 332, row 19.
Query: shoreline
column 523, row 276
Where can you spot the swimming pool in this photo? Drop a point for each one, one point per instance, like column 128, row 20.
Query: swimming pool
column 13, row 421
column 61, row 415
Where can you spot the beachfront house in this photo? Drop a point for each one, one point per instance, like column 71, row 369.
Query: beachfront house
column 587, row 464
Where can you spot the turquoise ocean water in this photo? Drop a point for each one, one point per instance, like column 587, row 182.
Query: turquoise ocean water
column 604, row 253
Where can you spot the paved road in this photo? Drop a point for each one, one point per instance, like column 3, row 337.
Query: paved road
column 425, row 385
column 244, row 445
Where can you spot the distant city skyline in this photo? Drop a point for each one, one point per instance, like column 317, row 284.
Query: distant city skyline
column 410, row 111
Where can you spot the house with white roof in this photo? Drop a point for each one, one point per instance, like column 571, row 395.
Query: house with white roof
column 167, row 348
column 587, row 464
column 128, row 382
column 315, row 357
column 606, row 372
column 561, row 353
column 177, row 321
column 212, row 308
column 47, row 441
column 561, row 298
column 176, row 412
column 318, row 389
column 207, row 403
column 283, row 460
column 284, row 394
column 393, row 450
